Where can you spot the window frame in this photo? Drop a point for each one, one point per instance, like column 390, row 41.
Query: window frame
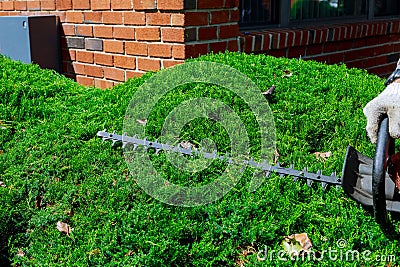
column 284, row 20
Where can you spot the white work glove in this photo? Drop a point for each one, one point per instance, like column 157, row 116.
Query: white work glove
column 387, row 102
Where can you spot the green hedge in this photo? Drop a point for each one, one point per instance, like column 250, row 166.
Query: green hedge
column 56, row 169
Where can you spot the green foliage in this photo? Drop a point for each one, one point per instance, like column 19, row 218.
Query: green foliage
column 56, row 169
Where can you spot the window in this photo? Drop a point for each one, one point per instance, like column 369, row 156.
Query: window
column 282, row 12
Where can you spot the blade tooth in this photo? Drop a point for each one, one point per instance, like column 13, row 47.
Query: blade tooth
column 291, row 166
column 114, row 142
column 309, row 182
column 324, row 185
column 124, row 144
column 295, row 179
column 338, row 187
column 319, row 173
column 135, row 136
column 135, row 146
column 114, row 132
column 281, row 175
column 277, row 164
column 104, row 139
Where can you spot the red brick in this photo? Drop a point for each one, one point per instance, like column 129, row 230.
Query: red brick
column 33, row 5
column 86, row 81
column 195, row 50
column 170, row 34
column 84, row 56
column 345, row 45
column 177, row 19
column 314, row 49
column 147, row 64
column 80, row 4
column 233, row 46
column 158, row 18
column 218, row 47
column 196, row 18
column 136, row 48
column 9, row 5
column 94, row 71
column 167, row 63
column 74, row 17
column 79, row 68
column 148, row 34
column 218, row 17
column 68, row 29
column 208, row 4
column 278, row 52
column 103, row 31
column 103, row 84
column 125, row 62
column 103, row 59
column 336, row 58
column 84, row 30
column 159, row 50
column 63, row 4
column 228, row 31
column 93, row 17
column 144, row 4
column 330, row 47
column 231, row 3
column 296, row 52
column 178, row 51
column 170, row 5
column 133, row 74
column 121, row 4
column 114, row 74
column 113, row 46
column 134, row 18
column 234, row 15
column 207, row 33
column 124, row 32
column 100, row 4
column 112, row 17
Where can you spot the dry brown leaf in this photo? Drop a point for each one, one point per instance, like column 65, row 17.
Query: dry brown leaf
column 130, row 253
column 296, row 244
column 240, row 259
column 270, row 91
column 323, row 155
column 276, row 156
column 141, row 122
column 94, row 252
column 287, row 74
column 38, row 202
column 20, row 253
column 64, row 228
column 187, row 145
column 2, row 184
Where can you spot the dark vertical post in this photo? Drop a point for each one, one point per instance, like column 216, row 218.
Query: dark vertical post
column 284, row 13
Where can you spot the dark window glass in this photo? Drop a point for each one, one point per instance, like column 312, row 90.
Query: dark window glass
column 387, row 7
column 314, row 9
column 257, row 12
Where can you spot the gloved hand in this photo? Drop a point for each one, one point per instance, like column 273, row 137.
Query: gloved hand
column 387, row 102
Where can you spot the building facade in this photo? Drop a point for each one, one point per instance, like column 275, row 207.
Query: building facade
column 104, row 42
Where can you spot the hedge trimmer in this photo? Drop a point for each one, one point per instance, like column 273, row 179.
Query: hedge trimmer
column 371, row 182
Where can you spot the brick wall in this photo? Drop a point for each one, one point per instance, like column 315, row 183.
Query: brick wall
column 105, row 42
column 108, row 41
column 374, row 46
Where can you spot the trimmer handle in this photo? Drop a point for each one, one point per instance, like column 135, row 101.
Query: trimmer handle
column 384, row 149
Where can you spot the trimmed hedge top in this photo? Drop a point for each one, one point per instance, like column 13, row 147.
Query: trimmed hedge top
column 55, row 169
